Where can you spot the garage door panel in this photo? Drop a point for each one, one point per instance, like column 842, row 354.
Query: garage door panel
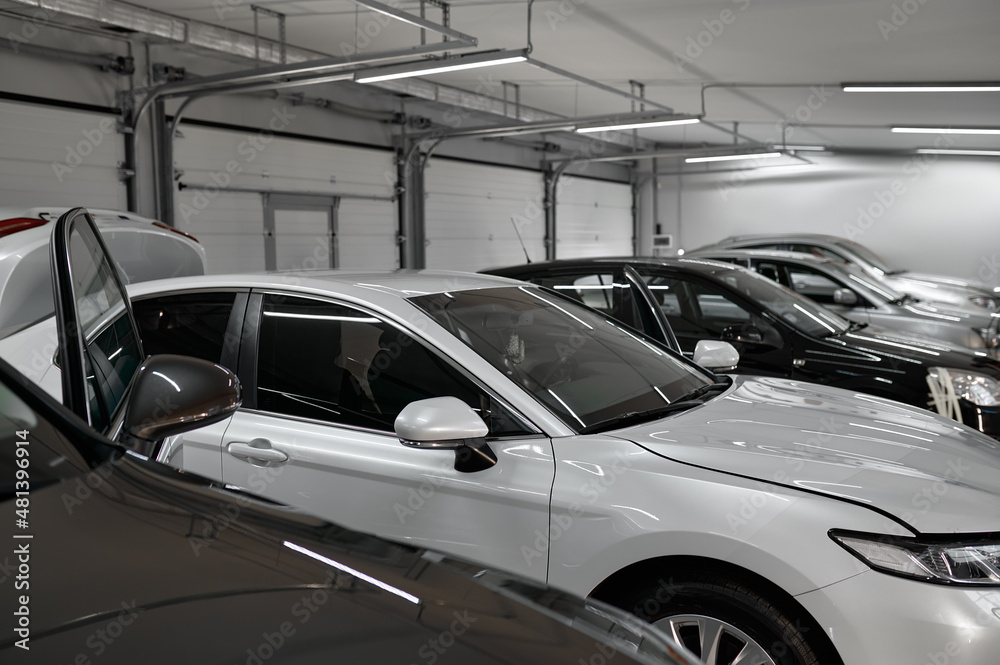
column 55, row 156
column 593, row 218
column 216, row 160
column 469, row 211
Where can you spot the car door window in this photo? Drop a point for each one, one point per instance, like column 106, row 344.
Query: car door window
column 112, row 348
column 695, row 309
column 813, row 284
column 334, row 363
column 191, row 324
column 608, row 292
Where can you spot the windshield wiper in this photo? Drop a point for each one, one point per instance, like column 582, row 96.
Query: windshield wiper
column 686, row 401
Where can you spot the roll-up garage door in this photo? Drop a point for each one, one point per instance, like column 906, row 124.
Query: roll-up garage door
column 471, row 213
column 593, row 218
column 329, row 205
column 59, row 157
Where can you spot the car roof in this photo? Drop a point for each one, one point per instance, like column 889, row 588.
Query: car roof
column 737, row 252
column 398, row 284
column 701, row 265
column 52, row 213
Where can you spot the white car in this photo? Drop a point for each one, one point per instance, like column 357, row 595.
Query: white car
column 758, row 520
column 144, row 249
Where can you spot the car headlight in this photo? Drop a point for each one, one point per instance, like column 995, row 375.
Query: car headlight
column 977, row 388
column 989, row 302
column 975, row 561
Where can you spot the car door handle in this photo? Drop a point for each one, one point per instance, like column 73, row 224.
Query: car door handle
column 257, row 449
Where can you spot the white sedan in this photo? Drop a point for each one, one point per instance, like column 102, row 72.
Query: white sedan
column 758, row 520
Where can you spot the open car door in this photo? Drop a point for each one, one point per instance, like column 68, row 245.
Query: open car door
column 106, row 378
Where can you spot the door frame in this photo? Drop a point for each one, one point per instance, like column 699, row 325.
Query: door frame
column 311, row 202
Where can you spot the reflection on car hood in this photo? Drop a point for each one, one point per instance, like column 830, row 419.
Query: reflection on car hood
column 954, row 283
column 885, row 346
column 934, row 474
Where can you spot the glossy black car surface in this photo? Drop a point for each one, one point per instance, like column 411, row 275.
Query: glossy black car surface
column 110, row 558
column 701, row 299
column 113, row 558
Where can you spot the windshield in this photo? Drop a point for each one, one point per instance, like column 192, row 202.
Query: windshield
column 583, row 366
column 875, row 286
column 798, row 311
column 866, row 255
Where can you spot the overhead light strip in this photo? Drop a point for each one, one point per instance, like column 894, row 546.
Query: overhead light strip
column 929, row 87
column 726, row 158
column 972, row 131
column 440, row 67
column 638, row 125
column 948, row 151
column 815, row 148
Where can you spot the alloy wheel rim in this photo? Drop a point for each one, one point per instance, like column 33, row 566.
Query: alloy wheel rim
column 715, row 641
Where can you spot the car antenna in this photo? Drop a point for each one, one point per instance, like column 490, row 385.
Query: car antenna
column 519, row 238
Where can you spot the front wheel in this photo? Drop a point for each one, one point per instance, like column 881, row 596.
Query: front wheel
column 728, row 622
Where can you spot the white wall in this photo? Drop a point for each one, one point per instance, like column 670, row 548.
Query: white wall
column 929, row 213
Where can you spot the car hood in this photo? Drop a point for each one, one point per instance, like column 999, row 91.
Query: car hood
column 928, row 471
column 972, row 286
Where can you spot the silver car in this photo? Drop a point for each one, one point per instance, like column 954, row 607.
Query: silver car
column 758, row 520
column 849, row 291
column 924, row 286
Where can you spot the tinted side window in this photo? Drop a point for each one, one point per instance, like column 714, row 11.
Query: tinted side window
column 192, row 324
column 695, row 309
column 334, row 363
column 812, row 284
column 603, row 293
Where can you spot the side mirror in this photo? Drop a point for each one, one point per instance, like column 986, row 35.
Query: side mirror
column 716, row 356
column 176, row 394
column 845, row 297
column 447, row 423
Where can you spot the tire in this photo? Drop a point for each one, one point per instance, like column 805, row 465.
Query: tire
column 728, row 622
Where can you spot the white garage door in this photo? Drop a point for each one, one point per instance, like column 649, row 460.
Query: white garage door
column 59, row 157
column 593, row 218
column 469, row 212
column 224, row 171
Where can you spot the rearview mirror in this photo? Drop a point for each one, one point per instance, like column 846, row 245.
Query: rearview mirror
column 447, row 423
column 716, row 356
column 845, row 297
column 176, row 394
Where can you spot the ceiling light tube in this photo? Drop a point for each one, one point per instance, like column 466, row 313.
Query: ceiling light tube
column 921, row 87
column 440, row 66
column 816, row 148
column 638, row 125
column 946, row 130
column 949, row 151
column 725, row 158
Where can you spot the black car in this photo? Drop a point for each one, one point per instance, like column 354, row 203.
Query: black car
column 776, row 331
column 113, row 558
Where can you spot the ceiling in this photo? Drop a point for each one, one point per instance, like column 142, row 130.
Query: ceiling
column 772, row 66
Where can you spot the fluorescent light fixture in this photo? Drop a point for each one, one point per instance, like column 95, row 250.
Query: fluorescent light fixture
column 947, row 151
column 638, row 125
column 816, row 148
column 440, row 66
column 726, row 158
column 922, row 87
column 946, row 130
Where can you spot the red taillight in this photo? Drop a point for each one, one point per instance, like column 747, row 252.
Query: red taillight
column 9, row 226
column 170, row 228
